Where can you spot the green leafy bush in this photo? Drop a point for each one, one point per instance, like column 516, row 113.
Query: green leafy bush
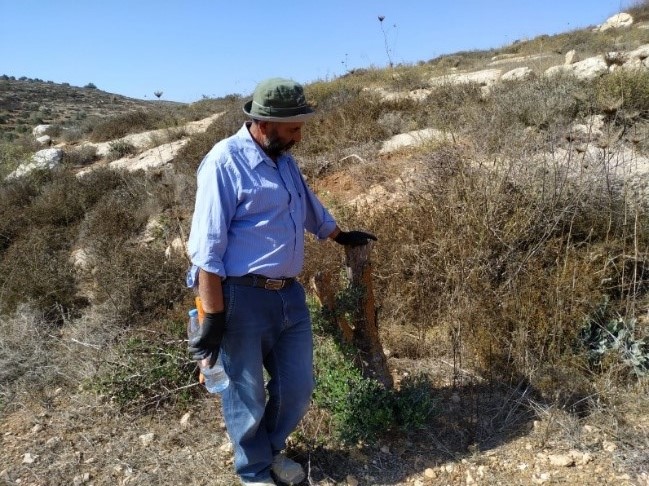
column 146, row 375
column 361, row 408
column 612, row 341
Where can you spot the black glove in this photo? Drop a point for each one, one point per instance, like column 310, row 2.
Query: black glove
column 354, row 238
column 208, row 342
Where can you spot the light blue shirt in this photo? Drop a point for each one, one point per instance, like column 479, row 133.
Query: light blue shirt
column 251, row 213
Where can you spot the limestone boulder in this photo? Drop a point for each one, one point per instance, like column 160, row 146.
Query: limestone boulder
column 40, row 130
column 617, row 21
column 518, row 74
column 590, row 68
column 486, row 77
column 43, row 159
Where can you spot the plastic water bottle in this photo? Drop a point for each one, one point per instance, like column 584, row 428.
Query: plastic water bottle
column 215, row 378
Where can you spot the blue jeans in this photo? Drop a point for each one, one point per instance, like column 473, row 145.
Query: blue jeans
column 268, row 329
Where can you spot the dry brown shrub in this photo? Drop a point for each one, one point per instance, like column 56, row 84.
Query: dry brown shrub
column 132, row 122
column 507, row 263
column 36, row 268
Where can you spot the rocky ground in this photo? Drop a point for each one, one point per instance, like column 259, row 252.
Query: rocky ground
column 478, row 435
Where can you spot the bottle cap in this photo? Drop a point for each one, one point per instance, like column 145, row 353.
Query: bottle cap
column 193, row 313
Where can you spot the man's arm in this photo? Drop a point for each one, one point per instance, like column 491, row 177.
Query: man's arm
column 207, row 343
column 210, row 291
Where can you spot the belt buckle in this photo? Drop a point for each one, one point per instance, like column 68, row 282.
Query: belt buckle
column 274, row 283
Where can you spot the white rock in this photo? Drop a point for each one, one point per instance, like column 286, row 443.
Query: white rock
column 609, row 446
column 147, row 439
column 430, row 473
column 150, row 159
column 617, row 21
column 352, row 481
column 561, row 460
column 39, row 130
column 184, row 421
column 36, row 428
column 571, row 57
column 81, row 479
column 177, row 247
column 44, row 140
column 485, row 77
column 43, row 159
column 513, row 58
column 557, row 70
column 518, row 74
column 632, row 64
column 29, row 458
column 590, row 68
column 226, row 447
column 414, row 139
column 641, row 52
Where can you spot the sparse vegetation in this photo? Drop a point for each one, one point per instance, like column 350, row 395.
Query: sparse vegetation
column 511, row 272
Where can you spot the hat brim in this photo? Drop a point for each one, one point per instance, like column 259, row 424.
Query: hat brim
column 285, row 119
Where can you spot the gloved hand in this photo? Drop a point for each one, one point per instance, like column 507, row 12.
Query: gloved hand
column 354, row 238
column 208, row 343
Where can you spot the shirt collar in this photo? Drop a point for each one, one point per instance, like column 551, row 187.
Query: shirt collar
column 254, row 153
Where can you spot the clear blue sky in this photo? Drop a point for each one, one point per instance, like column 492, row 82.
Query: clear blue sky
column 191, row 48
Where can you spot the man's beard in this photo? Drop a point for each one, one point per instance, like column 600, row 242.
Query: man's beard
column 274, row 147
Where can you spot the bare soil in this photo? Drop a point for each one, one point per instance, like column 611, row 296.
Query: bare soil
column 480, row 434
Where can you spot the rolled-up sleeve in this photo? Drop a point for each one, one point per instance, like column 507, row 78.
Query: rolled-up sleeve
column 216, row 197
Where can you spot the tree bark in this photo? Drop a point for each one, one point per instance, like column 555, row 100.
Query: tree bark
column 364, row 322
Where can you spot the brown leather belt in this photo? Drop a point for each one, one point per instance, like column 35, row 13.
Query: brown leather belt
column 261, row 281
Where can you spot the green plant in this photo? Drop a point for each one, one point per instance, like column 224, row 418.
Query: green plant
column 146, row 375
column 612, row 340
column 361, row 408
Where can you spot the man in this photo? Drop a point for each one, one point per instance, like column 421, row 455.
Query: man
column 247, row 246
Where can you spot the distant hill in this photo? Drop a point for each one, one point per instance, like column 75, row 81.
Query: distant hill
column 28, row 102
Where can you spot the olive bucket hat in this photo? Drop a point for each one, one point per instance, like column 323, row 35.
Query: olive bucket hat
column 278, row 100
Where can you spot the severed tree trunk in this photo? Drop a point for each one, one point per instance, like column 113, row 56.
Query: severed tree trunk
column 363, row 331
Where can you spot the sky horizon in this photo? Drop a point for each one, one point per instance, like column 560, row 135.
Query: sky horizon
column 210, row 48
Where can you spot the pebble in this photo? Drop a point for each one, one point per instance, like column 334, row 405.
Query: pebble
column 385, row 449
column 609, row 446
column 226, row 447
column 28, row 458
column 561, row 460
column 37, row 428
column 81, row 479
column 146, row 439
column 469, row 478
column 184, row 421
column 430, row 473
column 352, row 481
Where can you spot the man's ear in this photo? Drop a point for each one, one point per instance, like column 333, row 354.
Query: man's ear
column 263, row 125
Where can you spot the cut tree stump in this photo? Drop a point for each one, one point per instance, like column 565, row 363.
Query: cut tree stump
column 361, row 328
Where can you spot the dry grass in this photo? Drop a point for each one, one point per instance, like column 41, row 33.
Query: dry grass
column 499, row 264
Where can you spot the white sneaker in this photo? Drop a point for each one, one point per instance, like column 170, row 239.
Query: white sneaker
column 265, row 482
column 287, row 470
